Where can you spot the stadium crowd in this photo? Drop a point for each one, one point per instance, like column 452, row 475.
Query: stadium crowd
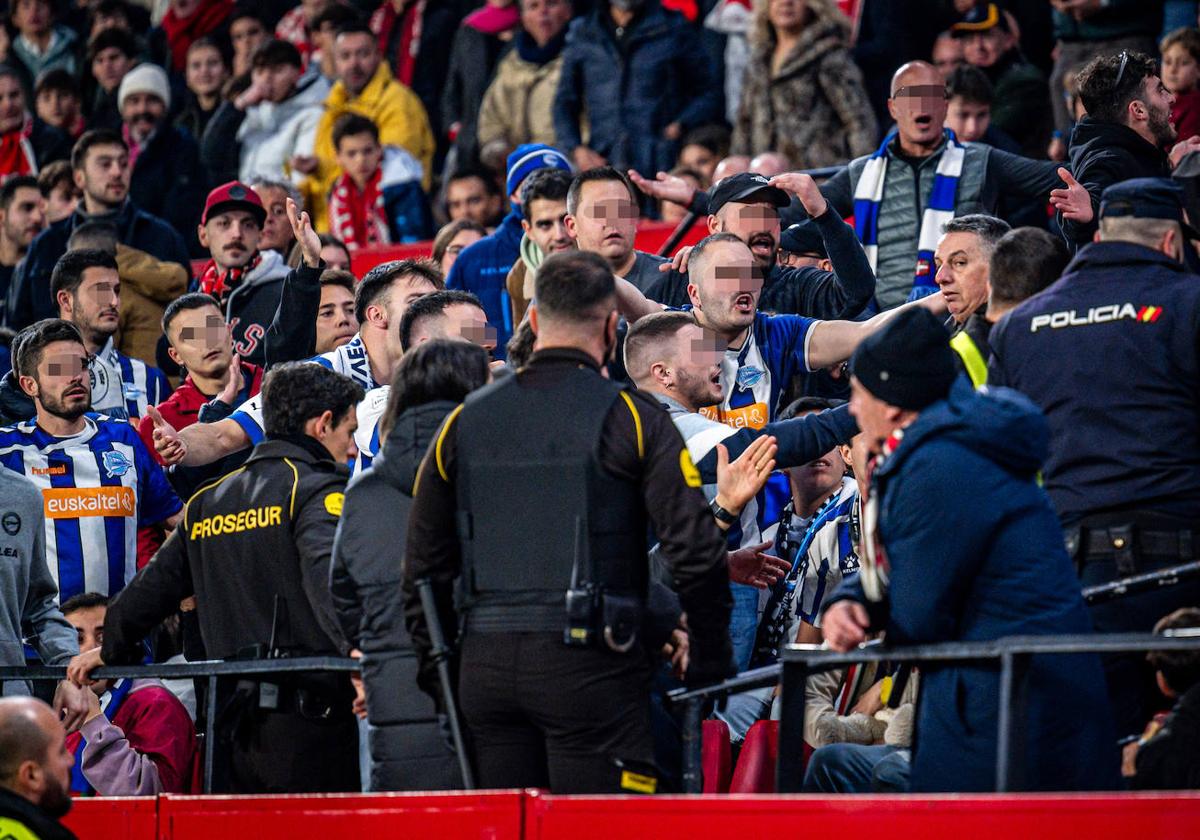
column 930, row 393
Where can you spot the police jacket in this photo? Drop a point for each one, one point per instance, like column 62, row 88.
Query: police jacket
column 21, row 818
column 639, row 453
column 406, row 746
column 1122, row 394
column 257, row 539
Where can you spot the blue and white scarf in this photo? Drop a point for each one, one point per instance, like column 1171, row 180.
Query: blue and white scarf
column 939, row 208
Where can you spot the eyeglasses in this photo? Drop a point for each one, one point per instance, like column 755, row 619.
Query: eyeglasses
column 1121, row 69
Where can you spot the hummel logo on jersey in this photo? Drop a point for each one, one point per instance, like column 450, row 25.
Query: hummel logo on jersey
column 1096, row 315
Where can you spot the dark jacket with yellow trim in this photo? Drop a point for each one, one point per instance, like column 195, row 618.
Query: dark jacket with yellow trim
column 261, row 534
column 640, row 444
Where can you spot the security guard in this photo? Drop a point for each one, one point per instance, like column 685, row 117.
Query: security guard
column 536, row 497
column 1109, row 354
column 254, row 549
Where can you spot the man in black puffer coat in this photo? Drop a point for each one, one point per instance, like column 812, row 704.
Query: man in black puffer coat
column 409, row 743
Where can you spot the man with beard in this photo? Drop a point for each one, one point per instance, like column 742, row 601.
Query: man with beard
column 87, row 289
column 1125, row 135
column 22, row 217
column 168, row 179
column 747, row 205
column 98, row 481
column 35, row 771
column 101, row 169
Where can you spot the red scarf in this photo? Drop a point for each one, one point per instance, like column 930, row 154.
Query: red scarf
column 213, row 282
column 16, row 155
column 875, row 569
column 357, row 216
column 181, row 33
column 408, row 45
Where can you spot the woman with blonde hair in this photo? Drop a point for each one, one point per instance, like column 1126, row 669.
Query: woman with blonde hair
column 803, row 94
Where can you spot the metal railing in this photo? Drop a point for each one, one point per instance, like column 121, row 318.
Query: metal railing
column 798, row 661
column 211, row 671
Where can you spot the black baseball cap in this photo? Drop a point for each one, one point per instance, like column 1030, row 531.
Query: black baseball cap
column 803, row 238
column 1146, row 198
column 738, row 188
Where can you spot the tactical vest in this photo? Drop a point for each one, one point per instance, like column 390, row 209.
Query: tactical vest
column 972, row 359
column 538, row 516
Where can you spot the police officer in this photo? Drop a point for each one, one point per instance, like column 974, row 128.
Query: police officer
column 536, row 497
column 254, row 549
column 1109, row 353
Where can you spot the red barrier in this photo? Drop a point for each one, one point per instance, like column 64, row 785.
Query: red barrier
column 116, row 818
column 996, row 817
column 487, row 816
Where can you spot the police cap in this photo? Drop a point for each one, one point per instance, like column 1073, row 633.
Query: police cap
column 1146, row 198
column 742, row 186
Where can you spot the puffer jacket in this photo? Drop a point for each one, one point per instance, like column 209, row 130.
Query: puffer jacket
column 631, row 92
column 273, row 133
column 409, row 749
column 517, row 107
column 147, row 286
column 814, row 110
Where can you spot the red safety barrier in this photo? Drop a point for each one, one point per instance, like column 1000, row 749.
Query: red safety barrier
column 115, row 818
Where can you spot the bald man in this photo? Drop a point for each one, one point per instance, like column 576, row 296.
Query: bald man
column 898, row 215
column 35, row 771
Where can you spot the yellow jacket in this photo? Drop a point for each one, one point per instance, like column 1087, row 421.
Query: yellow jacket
column 401, row 119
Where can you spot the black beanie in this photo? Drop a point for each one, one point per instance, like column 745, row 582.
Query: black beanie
column 908, row 363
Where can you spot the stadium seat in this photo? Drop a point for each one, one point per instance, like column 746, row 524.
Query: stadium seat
column 755, row 771
column 715, row 756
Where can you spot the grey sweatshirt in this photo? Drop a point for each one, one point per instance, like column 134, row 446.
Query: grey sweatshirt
column 28, row 595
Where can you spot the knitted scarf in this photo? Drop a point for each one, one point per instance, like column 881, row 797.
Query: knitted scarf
column 357, row 216
column 939, row 208
column 181, row 33
column 213, row 282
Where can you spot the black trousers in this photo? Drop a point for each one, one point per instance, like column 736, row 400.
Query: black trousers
column 1131, row 687
column 284, row 752
column 542, row 714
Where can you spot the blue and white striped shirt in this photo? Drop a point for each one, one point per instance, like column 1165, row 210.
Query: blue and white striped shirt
column 97, row 488
column 122, row 387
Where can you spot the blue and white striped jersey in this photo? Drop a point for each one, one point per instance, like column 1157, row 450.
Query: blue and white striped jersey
column 122, row 387
column 350, row 360
column 829, row 556
column 97, row 488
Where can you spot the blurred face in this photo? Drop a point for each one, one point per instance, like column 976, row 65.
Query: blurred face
column 25, row 217
column 693, row 368
column 105, row 175
column 359, row 155
column 231, row 238
column 334, row 256
column 469, row 323
column 31, row 17
column 546, row 224
column 205, row 71
column 1179, row 69
column 726, row 297
column 61, row 203
column 247, row 34
column 918, row 106
column 143, row 113
column 53, row 794
column 201, row 341
column 699, row 159
column 876, row 419
column 89, row 629
column 278, row 81
column 468, row 198
column 544, row 19
column 387, row 311
column 755, row 224
column 605, row 222
column 335, row 318
column 962, row 274
column 968, row 120
column 983, row 49
column 461, row 240
column 61, row 384
column 96, row 305
column 947, row 54
column 110, row 66
column 788, row 14
column 12, row 104
column 59, row 108
column 819, row 477
column 355, row 60
column 276, row 230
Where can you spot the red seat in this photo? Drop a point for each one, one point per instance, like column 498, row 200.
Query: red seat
column 715, row 756
column 755, row 771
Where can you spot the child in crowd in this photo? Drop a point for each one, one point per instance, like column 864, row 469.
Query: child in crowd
column 377, row 200
column 1180, row 73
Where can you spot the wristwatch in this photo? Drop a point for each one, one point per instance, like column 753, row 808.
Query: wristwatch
column 722, row 514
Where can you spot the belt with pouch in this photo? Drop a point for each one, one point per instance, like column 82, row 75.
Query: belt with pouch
column 1126, row 543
